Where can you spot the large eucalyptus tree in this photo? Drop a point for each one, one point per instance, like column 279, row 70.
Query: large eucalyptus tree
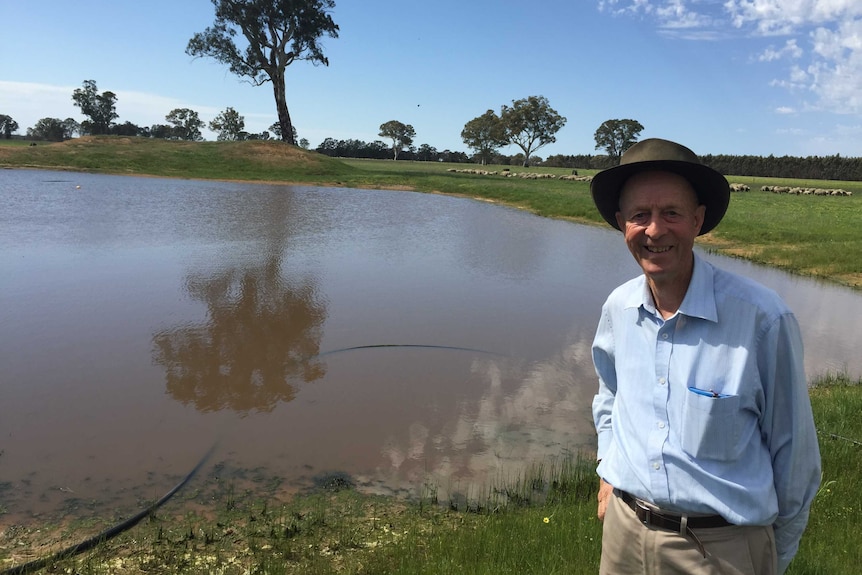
column 530, row 124
column 277, row 33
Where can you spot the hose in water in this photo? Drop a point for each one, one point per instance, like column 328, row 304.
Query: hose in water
column 109, row 533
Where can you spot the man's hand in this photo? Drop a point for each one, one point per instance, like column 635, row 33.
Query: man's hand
column 606, row 490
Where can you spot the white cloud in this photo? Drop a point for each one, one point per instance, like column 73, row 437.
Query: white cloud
column 790, row 49
column 675, row 17
column 825, row 40
column 676, row 14
column 784, row 110
column 27, row 103
column 790, row 132
column 634, row 6
column 785, row 16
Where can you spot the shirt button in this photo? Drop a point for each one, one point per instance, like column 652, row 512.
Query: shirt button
column 656, row 466
column 664, row 336
column 661, row 424
column 662, row 381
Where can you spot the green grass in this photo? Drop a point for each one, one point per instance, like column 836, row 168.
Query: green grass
column 253, row 161
column 831, row 544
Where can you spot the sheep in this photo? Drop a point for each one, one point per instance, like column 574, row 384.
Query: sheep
column 799, row 191
column 507, row 173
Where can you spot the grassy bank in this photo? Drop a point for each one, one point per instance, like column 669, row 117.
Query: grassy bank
column 542, row 524
column 808, row 235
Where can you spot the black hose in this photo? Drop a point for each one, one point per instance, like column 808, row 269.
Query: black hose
column 380, row 345
column 853, row 441
column 109, row 533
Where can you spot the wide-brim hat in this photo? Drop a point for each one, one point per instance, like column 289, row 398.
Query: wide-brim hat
column 656, row 154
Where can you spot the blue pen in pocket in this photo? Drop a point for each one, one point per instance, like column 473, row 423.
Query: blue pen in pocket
column 707, row 393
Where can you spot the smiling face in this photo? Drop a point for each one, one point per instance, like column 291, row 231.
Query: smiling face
column 660, row 217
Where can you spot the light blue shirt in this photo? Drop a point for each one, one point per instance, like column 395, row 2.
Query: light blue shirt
column 708, row 411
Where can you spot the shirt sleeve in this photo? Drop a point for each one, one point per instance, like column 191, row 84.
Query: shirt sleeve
column 789, row 431
column 603, row 402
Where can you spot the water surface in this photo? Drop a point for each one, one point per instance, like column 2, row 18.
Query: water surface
column 398, row 337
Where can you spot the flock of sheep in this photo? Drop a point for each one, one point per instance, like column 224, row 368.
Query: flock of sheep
column 796, row 191
column 734, row 187
column 806, row 191
column 522, row 175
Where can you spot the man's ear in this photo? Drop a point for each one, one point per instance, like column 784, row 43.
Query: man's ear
column 699, row 215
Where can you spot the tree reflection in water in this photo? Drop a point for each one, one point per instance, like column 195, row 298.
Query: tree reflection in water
column 260, row 340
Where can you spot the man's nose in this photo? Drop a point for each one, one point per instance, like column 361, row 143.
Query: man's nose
column 656, row 227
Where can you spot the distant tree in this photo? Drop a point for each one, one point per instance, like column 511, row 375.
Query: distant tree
column 358, row 149
column 7, row 126
column 229, row 125
column 276, row 129
column 50, row 129
column 454, row 157
column 617, row 136
column 531, row 123
column 126, row 129
column 401, row 135
column 186, row 124
column 563, row 161
column 71, row 127
column 277, row 32
column 162, row 131
column 485, row 134
column 501, row 159
column 304, row 144
column 427, row 153
column 100, row 108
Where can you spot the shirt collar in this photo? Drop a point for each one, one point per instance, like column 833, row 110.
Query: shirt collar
column 699, row 299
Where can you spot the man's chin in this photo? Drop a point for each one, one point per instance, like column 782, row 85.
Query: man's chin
column 653, row 270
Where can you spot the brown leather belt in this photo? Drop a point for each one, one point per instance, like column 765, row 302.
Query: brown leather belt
column 682, row 524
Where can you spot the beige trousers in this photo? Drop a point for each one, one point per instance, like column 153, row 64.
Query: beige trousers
column 631, row 548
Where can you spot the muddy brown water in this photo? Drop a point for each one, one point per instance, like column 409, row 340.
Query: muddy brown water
column 396, row 337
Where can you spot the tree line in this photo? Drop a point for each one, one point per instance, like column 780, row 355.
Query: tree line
column 808, row 168
column 277, row 33
column 100, row 108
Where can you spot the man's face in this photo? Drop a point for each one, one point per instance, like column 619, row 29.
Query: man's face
column 660, row 218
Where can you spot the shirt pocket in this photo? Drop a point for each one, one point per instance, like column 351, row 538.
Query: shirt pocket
column 710, row 425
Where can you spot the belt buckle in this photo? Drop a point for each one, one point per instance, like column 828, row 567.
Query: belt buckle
column 646, row 514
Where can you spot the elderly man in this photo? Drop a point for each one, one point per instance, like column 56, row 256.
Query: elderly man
column 707, row 450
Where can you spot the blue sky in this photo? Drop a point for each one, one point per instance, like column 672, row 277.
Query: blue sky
column 761, row 77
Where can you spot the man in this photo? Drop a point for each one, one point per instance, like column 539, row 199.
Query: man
column 707, row 450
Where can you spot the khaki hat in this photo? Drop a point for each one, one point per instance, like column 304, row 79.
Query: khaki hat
column 711, row 187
